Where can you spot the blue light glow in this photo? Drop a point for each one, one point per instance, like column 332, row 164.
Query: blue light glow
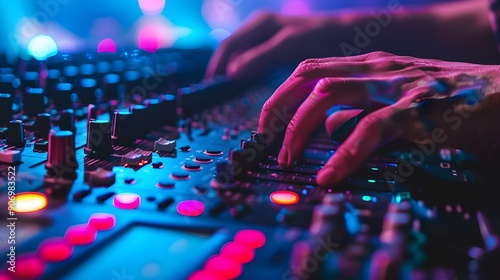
column 42, row 47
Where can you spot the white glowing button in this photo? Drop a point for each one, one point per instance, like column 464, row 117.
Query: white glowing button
column 127, row 201
column 29, row 202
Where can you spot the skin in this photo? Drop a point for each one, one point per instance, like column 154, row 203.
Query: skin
column 418, row 99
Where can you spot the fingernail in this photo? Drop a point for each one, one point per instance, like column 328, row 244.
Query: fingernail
column 283, row 156
column 326, row 177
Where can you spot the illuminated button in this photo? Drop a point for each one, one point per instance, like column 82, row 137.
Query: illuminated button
column 166, row 184
column 284, row 197
column 127, row 201
column 238, row 252
column 29, row 202
column 205, row 275
column 203, row 159
column 29, row 267
column 180, row 175
column 250, row 237
column 80, row 234
column 190, row 208
column 224, row 266
column 212, row 152
column 191, row 166
column 55, row 250
column 102, row 221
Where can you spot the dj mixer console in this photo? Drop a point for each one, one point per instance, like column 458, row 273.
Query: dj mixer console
column 128, row 167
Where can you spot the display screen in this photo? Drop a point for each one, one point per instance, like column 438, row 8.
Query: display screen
column 144, row 252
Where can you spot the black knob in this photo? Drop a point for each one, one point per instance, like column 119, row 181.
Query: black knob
column 34, row 102
column 67, row 120
column 5, row 108
column 15, row 134
column 140, row 120
column 62, row 96
column 110, row 86
column 43, row 124
column 123, row 131
column 86, row 92
column 99, row 139
column 61, row 160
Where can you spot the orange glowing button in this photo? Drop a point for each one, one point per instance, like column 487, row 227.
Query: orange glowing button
column 284, row 197
column 29, row 202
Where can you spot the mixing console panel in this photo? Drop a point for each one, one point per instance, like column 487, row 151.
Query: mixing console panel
column 128, row 167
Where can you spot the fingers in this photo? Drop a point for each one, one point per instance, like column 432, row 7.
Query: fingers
column 353, row 92
column 372, row 132
column 255, row 31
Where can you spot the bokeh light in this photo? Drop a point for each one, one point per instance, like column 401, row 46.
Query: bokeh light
column 149, row 38
column 42, row 47
column 106, row 45
column 151, row 7
column 296, row 7
column 155, row 32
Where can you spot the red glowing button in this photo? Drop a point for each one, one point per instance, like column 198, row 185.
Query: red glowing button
column 80, row 235
column 224, row 266
column 102, row 221
column 205, row 275
column 127, row 201
column 284, row 197
column 250, row 237
column 190, row 208
column 29, row 267
column 28, row 202
column 238, row 252
column 55, row 250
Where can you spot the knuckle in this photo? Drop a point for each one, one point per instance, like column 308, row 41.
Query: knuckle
column 379, row 54
column 291, row 128
column 324, row 85
column 305, row 66
column 266, row 108
column 264, row 16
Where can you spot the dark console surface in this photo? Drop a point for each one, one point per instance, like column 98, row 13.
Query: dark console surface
column 128, row 167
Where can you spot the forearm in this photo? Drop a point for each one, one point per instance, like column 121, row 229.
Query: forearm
column 455, row 31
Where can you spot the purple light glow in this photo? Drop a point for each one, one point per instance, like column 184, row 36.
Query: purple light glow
column 151, row 7
column 106, row 45
column 296, row 7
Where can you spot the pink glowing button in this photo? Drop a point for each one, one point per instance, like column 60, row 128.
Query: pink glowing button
column 224, row 266
column 151, row 7
column 127, row 201
column 80, row 234
column 238, row 251
column 250, row 237
column 102, row 221
column 149, row 38
column 284, row 197
column 190, row 208
column 29, row 267
column 55, row 250
column 106, row 45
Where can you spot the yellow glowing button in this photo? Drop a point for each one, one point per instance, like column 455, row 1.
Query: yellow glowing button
column 28, row 202
column 284, row 197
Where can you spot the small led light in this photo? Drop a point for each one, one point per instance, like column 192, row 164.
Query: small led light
column 374, row 168
column 29, row 202
column 366, row 198
column 371, row 181
column 284, row 197
column 190, row 208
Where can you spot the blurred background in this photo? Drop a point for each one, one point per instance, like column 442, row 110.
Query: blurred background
column 106, row 25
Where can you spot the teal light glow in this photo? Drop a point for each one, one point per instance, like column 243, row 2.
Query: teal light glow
column 42, row 47
column 371, row 181
column 374, row 169
column 366, row 198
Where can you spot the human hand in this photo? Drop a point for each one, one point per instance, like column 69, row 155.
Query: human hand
column 268, row 39
column 421, row 100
